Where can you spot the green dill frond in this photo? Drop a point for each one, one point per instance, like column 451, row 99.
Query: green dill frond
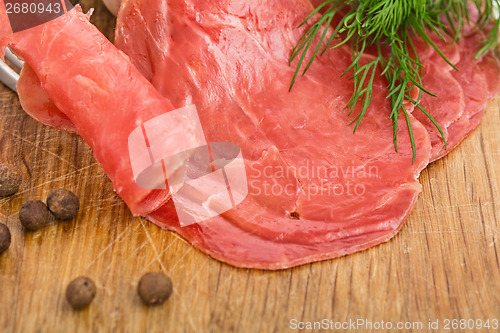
column 389, row 25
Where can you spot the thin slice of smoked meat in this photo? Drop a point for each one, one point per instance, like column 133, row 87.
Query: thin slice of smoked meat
column 37, row 103
column 81, row 71
column 230, row 58
column 462, row 95
column 316, row 191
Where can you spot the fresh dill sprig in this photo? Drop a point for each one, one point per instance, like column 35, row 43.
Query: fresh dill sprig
column 388, row 26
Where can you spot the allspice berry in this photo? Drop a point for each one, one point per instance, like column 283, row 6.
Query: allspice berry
column 63, row 204
column 154, row 288
column 34, row 215
column 10, row 180
column 4, row 238
column 81, row 292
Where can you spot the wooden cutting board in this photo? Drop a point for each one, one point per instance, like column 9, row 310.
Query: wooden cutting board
column 444, row 264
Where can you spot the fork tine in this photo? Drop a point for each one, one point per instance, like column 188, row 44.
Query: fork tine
column 8, row 76
column 13, row 59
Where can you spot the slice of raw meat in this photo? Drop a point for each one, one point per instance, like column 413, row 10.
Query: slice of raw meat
column 490, row 66
column 479, row 83
column 446, row 107
column 37, row 103
column 478, row 80
column 316, row 191
column 230, row 59
column 99, row 90
column 473, row 83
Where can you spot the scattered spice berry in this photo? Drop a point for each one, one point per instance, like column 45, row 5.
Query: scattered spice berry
column 154, row 288
column 4, row 238
column 80, row 292
column 34, row 215
column 10, row 180
column 63, row 204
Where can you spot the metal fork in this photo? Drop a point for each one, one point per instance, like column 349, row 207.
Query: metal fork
column 7, row 75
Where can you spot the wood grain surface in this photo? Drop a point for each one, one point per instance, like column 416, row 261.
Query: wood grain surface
column 444, row 264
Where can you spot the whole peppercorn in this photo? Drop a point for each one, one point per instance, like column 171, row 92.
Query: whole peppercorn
column 63, row 204
column 80, row 292
column 34, row 215
column 4, row 238
column 154, row 288
column 10, row 180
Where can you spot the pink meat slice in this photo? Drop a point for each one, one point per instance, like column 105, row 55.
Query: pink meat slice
column 37, row 103
column 490, row 66
column 446, row 107
column 473, row 83
column 479, row 83
column 88, row 88
column 231, row 60
column 316, row 191
column 461, row 96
